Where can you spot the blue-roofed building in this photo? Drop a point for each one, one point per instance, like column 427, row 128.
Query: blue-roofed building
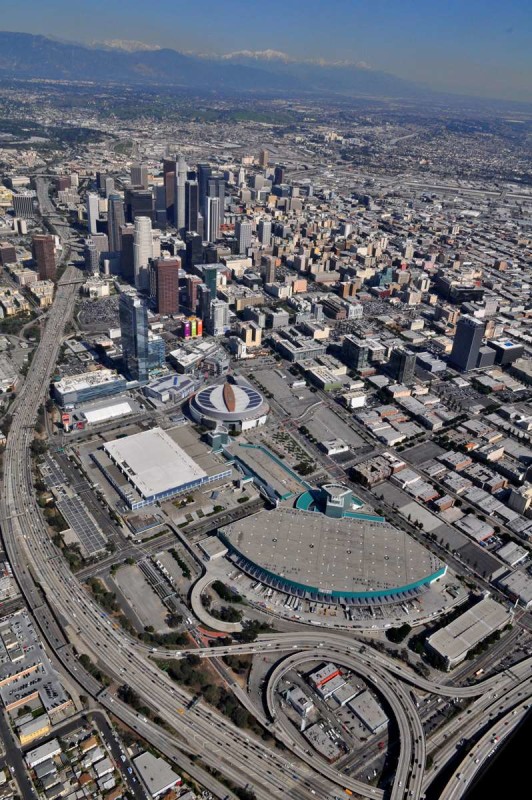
column 170, row 388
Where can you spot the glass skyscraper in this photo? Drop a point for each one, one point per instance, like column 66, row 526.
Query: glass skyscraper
column 133, row 314
column 467, row 343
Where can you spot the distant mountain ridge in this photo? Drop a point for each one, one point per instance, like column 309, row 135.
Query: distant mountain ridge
column 24, row 55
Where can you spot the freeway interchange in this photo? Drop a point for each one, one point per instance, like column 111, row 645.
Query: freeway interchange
column 66, row 613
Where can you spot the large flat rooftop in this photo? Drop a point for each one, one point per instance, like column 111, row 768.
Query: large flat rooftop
column 345, row 557
column 470, row 628
column 259, row 461
column 153, row 462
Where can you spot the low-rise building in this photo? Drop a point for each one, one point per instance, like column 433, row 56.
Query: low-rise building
column 518, row 586
column 453, row 642
column 74, row 389
column 369, row 712
column 299, row 701
column 43, row 753
column 156, row 774
column 324, row 674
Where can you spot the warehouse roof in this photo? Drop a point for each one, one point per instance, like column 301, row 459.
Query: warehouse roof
column 470, row 628
column 153, row 462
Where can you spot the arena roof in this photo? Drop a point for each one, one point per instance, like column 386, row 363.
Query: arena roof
column 153, row 462
column 230, row 401
column 313, row 553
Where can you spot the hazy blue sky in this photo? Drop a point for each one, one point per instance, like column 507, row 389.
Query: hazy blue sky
column 470, row 46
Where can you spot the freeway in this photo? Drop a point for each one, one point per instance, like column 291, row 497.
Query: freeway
column 59, row 604
column 467, row 770
column 338, row 644
column 409, row 772
column 487, row 710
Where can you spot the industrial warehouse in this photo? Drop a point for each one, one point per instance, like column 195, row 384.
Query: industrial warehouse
column 151, row 465
column 311, row 555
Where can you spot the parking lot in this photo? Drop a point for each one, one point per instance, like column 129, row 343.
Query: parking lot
column 293, row 401
column 325, row 425
column 141, row 598
column 100, row 314
column 83, row 524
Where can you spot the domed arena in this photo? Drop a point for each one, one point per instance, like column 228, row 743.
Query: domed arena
column 234, row 404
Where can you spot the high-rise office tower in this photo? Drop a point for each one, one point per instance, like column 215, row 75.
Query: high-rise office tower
column 210, row 277
column 115, row 218
column 194, row 250
column 212, row 220
column 258, row 182
column 201, row 227
column 218, row 318
column 181, row 179
column 193, row 281
column 191, row 206
column 133, row 315
column 92, row 257
column 95, row 246
column 100, row 180
column 101, row 240
column 402, row 365
column 93, row 211
column 109, row 186
column 164, row 284
column 204, row 173
column 267, row 269
column 467, row 343
column 265, row 232
column 24, row 204
column 139, row 203
column 127, row 252
column 408, row 249
column 142, row 251
column 43, row 245
column 204, row 301
column 139, row 175
column 243, row 234
column 278, row 175
column 170, row 172
column 355, row 352
column 264, row 158
column 216, row 188
column 241, row 176
column 8, row 254
column 160, row 205
column 156, row 352
column 156, row 244
column 63, row 182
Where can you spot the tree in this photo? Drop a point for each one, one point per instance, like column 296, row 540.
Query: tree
column 245, row 794
column 397, row 635
column 240, row 717
column 5, row 425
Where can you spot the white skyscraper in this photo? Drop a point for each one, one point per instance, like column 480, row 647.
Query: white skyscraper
column 181, row 179
column 243, row 234
column 142, row 250
column 93, row 211
column 241, row 177
column 265, row 232
column 212, row 222
column 156, row 244
column 219, row 318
